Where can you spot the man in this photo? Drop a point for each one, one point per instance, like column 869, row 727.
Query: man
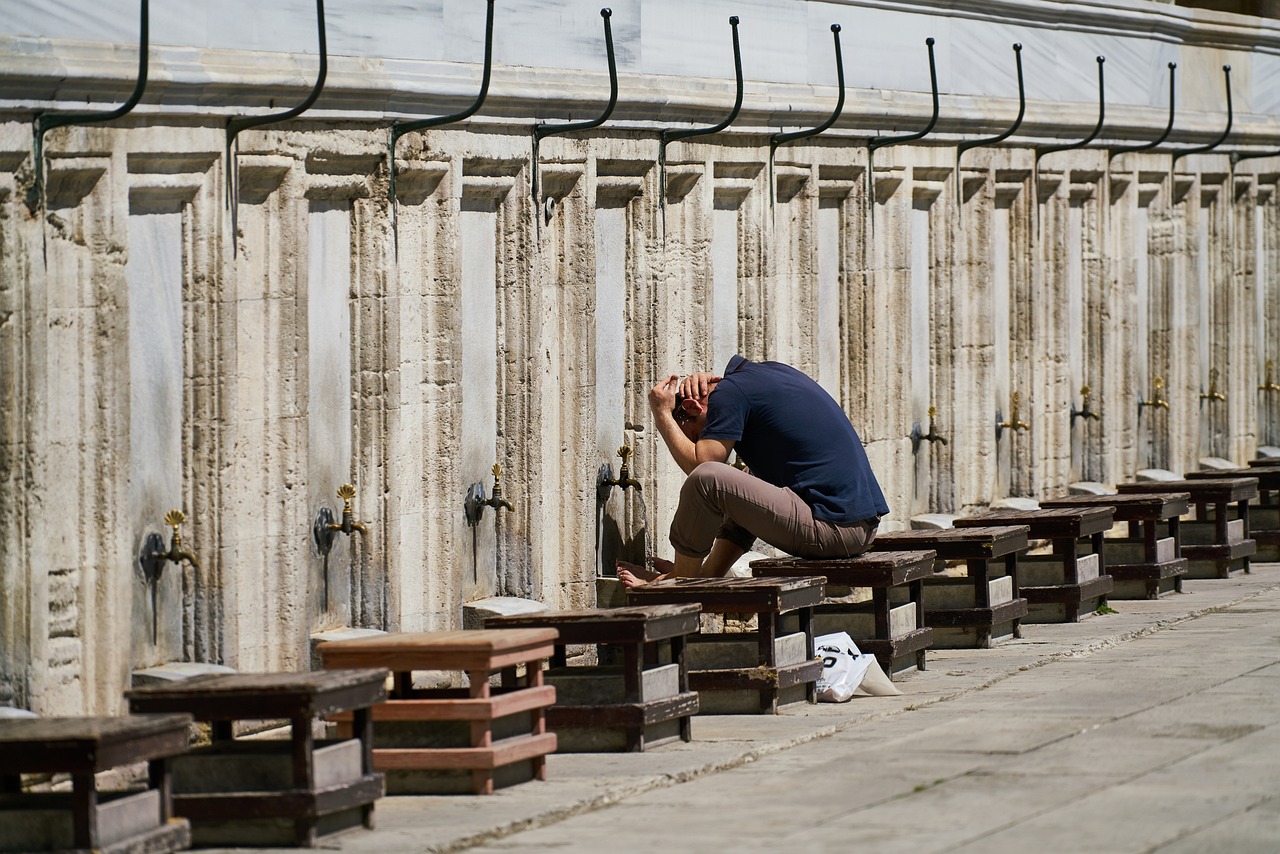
column 810, row 491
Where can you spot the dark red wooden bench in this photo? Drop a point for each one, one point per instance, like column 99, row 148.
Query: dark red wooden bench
column 896, row 580
column 86, row 819
column 988, row 552
column 1264, row 512
column 648, row 637
column 221, row 810
column 1149, row 561
column 1074, row 533
column 783, row 606
column 1214, row 543
column 471, row 739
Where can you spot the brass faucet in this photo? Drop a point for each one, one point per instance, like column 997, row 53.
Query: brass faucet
column 1268, row 385
column 1156, row 399
column 496, row 500
column 153, row 559
column 1014, row 423
column 325, row 529
column 1084, row 411
column 932, row 436
column 475, row 502
column 605, row 480
column 1212, row 394
column 346, row 492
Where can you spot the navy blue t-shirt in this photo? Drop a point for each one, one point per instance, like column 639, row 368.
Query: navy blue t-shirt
column 791, row 433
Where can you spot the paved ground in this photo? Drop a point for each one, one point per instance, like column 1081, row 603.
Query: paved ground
column 1154, row 729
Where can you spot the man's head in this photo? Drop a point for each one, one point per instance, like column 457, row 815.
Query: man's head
column 690, row 414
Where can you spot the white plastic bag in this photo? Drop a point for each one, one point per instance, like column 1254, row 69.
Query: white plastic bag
column 843, row 667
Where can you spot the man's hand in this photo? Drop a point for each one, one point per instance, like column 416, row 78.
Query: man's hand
column 700, row 385
column 662, row 397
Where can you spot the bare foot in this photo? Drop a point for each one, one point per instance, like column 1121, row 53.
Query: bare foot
column 630, row 579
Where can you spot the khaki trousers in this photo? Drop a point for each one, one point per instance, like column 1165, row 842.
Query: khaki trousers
column 719, row 501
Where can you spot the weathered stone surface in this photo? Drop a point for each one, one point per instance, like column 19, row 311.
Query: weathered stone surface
column 601, row 685
column 943, row 593
column 859, row 621
column 1041, row 570
column 163, row 346
column 475, row 613
column 1119, row 551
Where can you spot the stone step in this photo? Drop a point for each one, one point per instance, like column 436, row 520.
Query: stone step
column 603, row 685
column 728, row 651
column 1048, row 570
column 860, row 620
column 941, row 594
column 1205, row 533
column 263, row 765
column 1119, row 551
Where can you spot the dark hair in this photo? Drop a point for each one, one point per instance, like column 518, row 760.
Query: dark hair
column 678, row 412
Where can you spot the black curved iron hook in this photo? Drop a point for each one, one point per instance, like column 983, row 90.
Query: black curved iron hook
column 1022, row 109
column 542, row 131
column 399, row 129
column 885, row 142
column 1102, row 113
column 1129, row 149
column 240, row 123
column 1226, row 73
column 779, row 139
column 48, row 121
column 670, row 136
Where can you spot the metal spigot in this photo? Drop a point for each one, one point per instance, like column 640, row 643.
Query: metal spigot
column 1014, row 423
column 1156, row 399
column 325, row 529
column 475, row 502
column 932, row 436
column 1268, row 385
column 605, row 480
column 154, row 558
column 1084, row 411
column 1212, row 394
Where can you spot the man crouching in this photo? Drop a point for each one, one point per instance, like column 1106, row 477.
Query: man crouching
column 809, row 491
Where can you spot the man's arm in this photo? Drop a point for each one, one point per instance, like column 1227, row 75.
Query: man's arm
column 662, row 399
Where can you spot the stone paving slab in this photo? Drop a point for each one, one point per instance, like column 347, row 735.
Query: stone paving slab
column 1123, row 732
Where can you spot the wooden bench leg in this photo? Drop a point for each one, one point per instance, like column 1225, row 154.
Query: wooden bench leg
column 84, row 811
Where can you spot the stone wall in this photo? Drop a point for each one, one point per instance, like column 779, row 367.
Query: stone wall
column 164, row 347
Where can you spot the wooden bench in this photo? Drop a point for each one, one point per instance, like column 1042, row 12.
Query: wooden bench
column 86, row 819
column 1058, row 587
column 969, row 612
column 603, row 707
column 747, row 672
column 452, row 740
column 892, row 628
column 1264, row 512
column 1264, row 462
column 1145, row 564
column 1213, row 543
column 272, row 791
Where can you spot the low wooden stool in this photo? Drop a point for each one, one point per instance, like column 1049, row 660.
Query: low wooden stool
column 86, row 819
column 1264, row 462
column 1213, row 543
column 1074, row 578
column 458, row 740
column 1264, row 512
column 600, row 708
column 272, row 791
column 729, row 678
column 969, row 610
column 1146, row 564
column 892, row 628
